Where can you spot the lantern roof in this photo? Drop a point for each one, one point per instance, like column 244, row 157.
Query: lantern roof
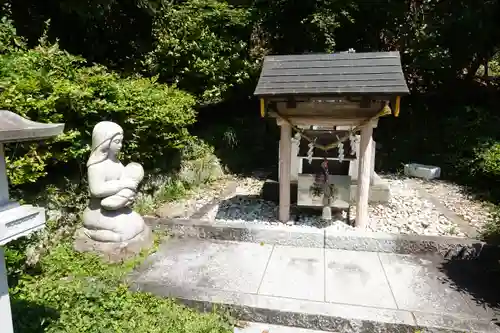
column 14, row 128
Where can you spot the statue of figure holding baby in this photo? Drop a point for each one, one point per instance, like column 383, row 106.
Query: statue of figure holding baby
column 109, row 217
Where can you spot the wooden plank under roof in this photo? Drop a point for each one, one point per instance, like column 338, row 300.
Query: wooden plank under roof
column 370, row 73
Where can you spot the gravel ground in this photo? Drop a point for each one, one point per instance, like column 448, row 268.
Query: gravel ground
column 456, row 199
column 407, row 212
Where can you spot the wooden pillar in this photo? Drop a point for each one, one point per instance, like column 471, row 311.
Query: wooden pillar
column 285, row 168
column 364, row 174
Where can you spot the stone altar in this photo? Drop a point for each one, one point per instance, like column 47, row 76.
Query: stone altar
column 379, row 188
column 110, row 226
column 16, row 220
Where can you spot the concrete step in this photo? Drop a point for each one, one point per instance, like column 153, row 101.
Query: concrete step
column 329, row 237
column 267, row 328
column 320, row 289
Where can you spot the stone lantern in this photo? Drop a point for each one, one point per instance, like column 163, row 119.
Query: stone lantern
column 17, row 220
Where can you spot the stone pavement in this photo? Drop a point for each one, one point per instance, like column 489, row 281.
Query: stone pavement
column 266, row 328
column 325, row 289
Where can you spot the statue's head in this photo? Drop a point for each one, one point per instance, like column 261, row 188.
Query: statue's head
column 107, row 140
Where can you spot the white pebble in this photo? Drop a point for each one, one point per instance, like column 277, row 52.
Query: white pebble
column 407, row 211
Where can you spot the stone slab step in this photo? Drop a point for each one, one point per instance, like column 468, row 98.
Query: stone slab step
column 353, row 240
column 267, row 328
column 320, row 289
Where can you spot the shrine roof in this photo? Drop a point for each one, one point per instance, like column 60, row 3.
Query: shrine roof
column 370, row 73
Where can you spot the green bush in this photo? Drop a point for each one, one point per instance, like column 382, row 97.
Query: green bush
column 8, row 37
column 75, row 293
column 489, row 159
column 47, row 84
column 202, row 45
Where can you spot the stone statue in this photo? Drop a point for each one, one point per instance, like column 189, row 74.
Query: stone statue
column 109, row 217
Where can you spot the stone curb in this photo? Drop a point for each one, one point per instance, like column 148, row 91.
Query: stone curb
column 449, row 247
column 332, row 317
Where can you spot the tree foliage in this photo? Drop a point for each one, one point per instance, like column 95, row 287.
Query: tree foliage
column 203, row 47
column 111, row 32
column 213, row 48
column 48, row 84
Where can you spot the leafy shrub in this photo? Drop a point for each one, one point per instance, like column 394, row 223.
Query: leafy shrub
column 202, row 170
column 47, row 84
column 489, row 159
column 73, row 293
column 199, row 164
column 8, row 37
column 202, row 45
column 491, row 229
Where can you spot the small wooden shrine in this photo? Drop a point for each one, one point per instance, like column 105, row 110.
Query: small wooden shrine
column 327, row 99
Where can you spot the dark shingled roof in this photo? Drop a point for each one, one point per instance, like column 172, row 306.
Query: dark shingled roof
column 371, row 73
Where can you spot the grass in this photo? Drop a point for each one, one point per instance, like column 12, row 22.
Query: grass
column 55, row 289
column 71, row 292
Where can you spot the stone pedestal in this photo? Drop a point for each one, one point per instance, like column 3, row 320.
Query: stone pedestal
column 379, row 191
column 114, row 252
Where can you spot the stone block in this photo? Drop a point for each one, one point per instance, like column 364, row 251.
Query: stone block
column 356, row 278
column 417, row 285
column 448, row 323
column 379, row 190
column 342, row 185
column 234, row 276
column 114, row 252
column 262, row 328
column 422, row 171
column 174, row 209
column 19, row 220
column 186, row 263
column 295, row 272
column 271, row 191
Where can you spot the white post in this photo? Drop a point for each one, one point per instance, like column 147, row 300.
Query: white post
column 284, row 170
column 4, row 185
column 5, row 314
column 364, row 175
